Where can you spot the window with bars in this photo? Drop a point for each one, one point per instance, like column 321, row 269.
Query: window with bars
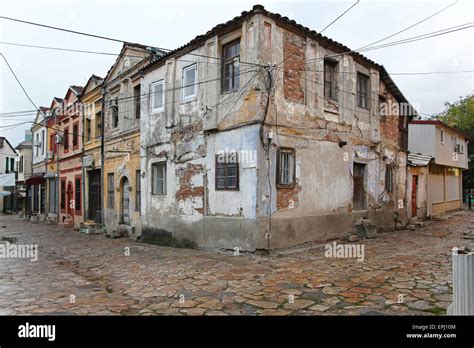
column 231, row 67
column 110, row 190
column 330, row 79
column 286, row 162
column 362, row 91
column 227, row 174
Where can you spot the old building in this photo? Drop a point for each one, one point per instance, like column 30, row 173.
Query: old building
column 91, row 100
column 36, row 184
column 438, row 155
column 24, row 170
column 69, row 149
column 121, row 168
column 262, row 134
column 8, row 157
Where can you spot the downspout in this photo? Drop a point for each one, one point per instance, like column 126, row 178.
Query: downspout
column 83, row 181
column 57, row 163
column 102, row 157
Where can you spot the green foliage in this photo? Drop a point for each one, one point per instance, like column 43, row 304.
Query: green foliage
column 460, row 115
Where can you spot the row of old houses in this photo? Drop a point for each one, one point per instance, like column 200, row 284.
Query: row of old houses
column 258, row 134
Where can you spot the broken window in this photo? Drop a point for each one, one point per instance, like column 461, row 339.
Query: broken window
column 158, row 172
column 227, row 174
column 389, row 179
column 189, row 82
column 230, row 67
column 286, row 167
column 330, row 79
column 115, row 113
column 110, row 190
column 157, row 96
column 362, row 91
column 137, row 96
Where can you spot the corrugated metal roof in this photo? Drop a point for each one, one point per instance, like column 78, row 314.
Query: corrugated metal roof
column 418, row 159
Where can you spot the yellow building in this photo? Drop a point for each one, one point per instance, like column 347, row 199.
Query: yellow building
column 121, row 171
column 91, row 100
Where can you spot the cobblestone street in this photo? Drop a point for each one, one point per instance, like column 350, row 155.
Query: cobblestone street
column 90, row 274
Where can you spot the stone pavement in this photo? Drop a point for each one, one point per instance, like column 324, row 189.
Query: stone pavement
column 90, row 274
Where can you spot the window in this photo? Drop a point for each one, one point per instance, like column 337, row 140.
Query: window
column 12, row 164
column 158, row 172
column 77, row 196
column 66, row 138
column 138, row 191
column 37, row 145
column 110, row 190
column 230, row 66
column 20, row 165
column 389, row 179
column 75, row 135
column 63, row 194
column 286, row 167
column 88, row 129
column 442, row 137
column 157, row 95
column 189, row 82
column 362, row 88
column 43, row 137
column 227, row 174
column 115, row 113
column 330, row 79
column 136, row 95
column 98, row 125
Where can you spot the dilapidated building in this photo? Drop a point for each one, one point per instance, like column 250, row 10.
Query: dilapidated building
column 262, row 134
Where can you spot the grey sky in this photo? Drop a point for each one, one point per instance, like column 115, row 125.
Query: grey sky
column 170, row 24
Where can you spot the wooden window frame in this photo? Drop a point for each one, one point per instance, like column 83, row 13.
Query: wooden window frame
column 363, row 95
column 165, row 179
column 227, row 61
column 330, row 94
column 291, row 151
column 185, row 84
column 111, row 191
column 226, row 166
column 75, row 136
column 153, row 96
column 66, row 139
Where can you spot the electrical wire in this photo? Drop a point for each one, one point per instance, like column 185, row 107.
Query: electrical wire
column 342, row 14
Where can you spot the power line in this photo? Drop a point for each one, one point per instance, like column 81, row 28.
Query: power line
column 109, row 38
column 17, row 80
column 409, row 27
column 342, row 14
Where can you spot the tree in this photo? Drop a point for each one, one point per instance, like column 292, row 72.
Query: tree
column 460, row 115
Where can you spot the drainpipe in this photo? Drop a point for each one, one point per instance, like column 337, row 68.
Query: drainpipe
column 83, row 181
column 57, row 165
column 102, row 157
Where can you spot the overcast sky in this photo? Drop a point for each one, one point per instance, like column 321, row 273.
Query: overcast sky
column 170, row 24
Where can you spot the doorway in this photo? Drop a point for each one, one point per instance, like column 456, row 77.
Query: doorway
column 70, row 201
column 125, row 213
column 94, row 196
column 414, row 191
column 359, row 198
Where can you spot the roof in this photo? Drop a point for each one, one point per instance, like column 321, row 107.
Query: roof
column 418, row 159
column 77, row 89
column 26, row 144
column 4, row 140
column 291, row 25
column 441, row 124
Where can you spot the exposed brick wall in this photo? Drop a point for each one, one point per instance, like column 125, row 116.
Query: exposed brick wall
column 389, row 124
column 294, row 65
column 186, row 190
column 285, row 197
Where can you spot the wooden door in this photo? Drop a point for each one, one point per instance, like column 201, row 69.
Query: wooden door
column 125, row 202
column 414, row 192
column 94, row 195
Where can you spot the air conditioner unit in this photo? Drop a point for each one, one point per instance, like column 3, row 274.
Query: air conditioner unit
column 58, row 139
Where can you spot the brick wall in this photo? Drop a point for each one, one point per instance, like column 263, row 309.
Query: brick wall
column 293, row 53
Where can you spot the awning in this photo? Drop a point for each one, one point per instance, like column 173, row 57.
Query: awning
column 35, row 180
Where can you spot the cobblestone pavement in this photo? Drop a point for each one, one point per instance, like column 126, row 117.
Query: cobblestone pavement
column 90, row 274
